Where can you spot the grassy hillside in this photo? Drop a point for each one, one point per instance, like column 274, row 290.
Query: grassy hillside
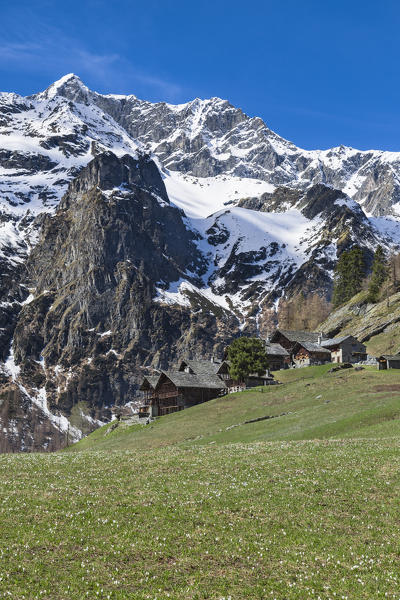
column 317, row 405
column 200, row 506
column 378, row 325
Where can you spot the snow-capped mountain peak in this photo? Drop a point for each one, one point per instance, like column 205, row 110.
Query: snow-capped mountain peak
column 70, row 86
column 179, row 226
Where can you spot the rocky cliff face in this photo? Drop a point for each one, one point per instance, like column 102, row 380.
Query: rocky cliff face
column 132, row 233
column 90, row 322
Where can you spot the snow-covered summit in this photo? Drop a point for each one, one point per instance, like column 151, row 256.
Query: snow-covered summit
column 212, row 155
column 69, row 84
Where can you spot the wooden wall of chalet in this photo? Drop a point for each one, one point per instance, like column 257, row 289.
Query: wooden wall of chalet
column 193, row 396
column 166, row 389
column 303, row 355
column 276, row 362
column 278, row 338
column 168, row 395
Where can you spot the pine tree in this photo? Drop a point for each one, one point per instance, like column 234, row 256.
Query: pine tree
column 339, row 279
column 394, row 272
column 247, row 355
column 348, row 276
column 378, row 276
column 357, row 271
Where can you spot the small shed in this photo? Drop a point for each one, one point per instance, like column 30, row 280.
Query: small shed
column 388, row 361
column 255, row 380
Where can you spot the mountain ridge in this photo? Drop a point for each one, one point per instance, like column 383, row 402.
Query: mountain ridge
column 224, row 221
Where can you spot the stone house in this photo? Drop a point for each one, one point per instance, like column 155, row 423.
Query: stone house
column 346, row 349
column 306, row 354
column 388, row 361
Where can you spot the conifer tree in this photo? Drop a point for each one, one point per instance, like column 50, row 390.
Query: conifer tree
column 348, row 276
column 247, row 355
column 378, row 276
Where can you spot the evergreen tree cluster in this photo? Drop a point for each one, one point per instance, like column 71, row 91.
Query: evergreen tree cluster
column 378, row 276
column 246, row 355
column 348, row 276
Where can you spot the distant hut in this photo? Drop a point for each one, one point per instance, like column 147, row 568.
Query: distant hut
column 388, row 361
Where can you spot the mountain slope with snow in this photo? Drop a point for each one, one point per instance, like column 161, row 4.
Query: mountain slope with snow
column 256, row 219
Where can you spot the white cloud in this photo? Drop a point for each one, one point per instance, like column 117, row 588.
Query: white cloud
column 58, row 54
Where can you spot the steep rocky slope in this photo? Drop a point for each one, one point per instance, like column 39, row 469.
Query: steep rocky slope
column 378, row 325
column 90, row 321
column 111, row 260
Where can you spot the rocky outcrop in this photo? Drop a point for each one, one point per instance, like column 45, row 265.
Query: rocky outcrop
column 92, row 320
column 366, row 321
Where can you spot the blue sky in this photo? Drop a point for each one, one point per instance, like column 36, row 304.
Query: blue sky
column 319, row 73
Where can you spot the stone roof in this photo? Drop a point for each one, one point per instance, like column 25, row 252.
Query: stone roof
column 335, row 341
column 206, row 381
column 390, row 356
column 152, row 381
column 202, row 367
column 275, row 349
column 300, row 336
column 313, row 347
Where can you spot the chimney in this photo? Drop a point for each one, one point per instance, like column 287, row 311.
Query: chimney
column 320, row 338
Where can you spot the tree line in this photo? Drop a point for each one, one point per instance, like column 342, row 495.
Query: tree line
column 350, row 276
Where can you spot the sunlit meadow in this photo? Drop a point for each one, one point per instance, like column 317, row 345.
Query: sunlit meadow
column 200, row 505
column 268, row 520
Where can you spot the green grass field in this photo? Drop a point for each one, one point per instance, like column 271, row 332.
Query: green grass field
column 200, row 505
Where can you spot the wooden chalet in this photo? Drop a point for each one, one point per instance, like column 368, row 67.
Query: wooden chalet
column 176, row 390
column 306, row 354
column 278, row 357
column 346, row 349
column 194, row 382
column 288, row 339
column 148, row 388
column 388, row 361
